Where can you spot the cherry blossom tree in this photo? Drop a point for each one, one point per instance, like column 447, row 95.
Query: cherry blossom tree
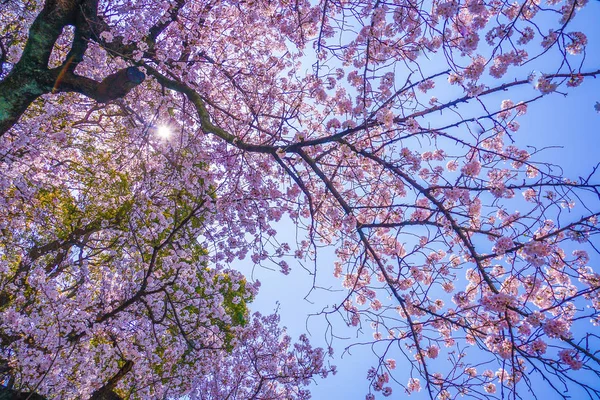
column 146, row 145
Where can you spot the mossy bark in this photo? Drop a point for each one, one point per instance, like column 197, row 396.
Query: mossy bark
column 31, row 78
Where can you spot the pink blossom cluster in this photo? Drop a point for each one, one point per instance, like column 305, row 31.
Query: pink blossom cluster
column 571, row 358
column 502, row 245
column 432, row 351
column 474, row 70
column 498, row 302
column 578, row 42
column 557, row 328
column 536, row 252
column 426, row 85
column 447, row 9
column 414, row 385
column 472, row 168
column 545, row 85
column 537, row 347
column 503, row 61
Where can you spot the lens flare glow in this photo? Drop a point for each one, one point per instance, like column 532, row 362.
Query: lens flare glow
column 164, row 132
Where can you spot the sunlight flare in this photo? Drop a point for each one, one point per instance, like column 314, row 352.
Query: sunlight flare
column 164, row 132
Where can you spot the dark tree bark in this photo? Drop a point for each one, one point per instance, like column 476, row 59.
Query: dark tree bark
column 106, row 391
column 10, row 394
column 31, row 78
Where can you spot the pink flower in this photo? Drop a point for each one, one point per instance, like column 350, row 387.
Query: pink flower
column 571, row 358
column 426, row 85
column 433, row 351
column 582, row 257
column 376, row 304
column 521, row 109
column 391, row 363
column 447, row 9
column 453, row 165
column 474, row 70
column 502, row 244
column 538, row 347
column 530, row 195
column 471, row 168
column 513, row 126
column 545, row 86
column 578, row 43
column 448, row 287
column 454, row 78
column 285, row 268
column 498, row 302
column 550, row 39
column 414, row 385
column 557, row 328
